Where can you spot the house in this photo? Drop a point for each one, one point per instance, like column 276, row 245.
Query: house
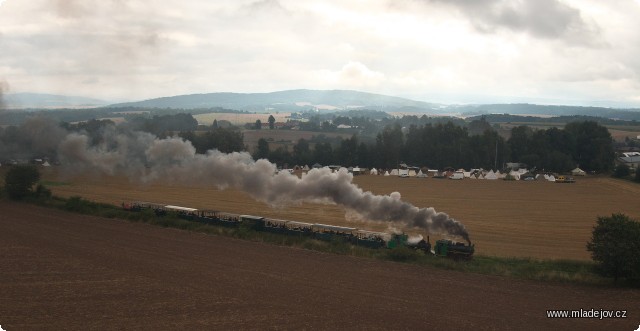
column 633, row 162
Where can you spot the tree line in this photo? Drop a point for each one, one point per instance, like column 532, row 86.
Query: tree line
column 586, row 144
column 412, row 140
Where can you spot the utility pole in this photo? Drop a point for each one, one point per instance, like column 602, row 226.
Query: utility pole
column 495, row 163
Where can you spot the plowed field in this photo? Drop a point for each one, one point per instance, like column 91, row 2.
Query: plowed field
column 504, row 218
column 61, row 271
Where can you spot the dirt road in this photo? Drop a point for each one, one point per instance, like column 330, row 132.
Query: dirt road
column 67, row 271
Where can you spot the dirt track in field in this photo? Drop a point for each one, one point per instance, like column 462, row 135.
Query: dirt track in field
column 73, row 272
column 504, row 218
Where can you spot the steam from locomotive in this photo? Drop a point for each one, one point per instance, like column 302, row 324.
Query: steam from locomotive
column 146, row 157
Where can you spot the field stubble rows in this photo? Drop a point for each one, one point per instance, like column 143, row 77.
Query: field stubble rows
column 504, row 218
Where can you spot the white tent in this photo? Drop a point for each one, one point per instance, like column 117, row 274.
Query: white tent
column 551, row 178
column 500, row 175
column 473, row 177
column 467, row 174
column 480, row 176
column 412, row 173
column 373, row 171
column 491, row 175
column 515, row 174
column 386, row 173
column 46, row 164
column 394, row 172
column 305, row 168
column 578, row 172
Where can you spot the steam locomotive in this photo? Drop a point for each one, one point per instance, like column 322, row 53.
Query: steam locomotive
column 324, row 232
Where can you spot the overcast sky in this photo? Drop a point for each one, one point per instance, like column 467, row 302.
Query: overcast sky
column 584, row 52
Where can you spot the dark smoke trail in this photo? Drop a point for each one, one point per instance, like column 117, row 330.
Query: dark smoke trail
column 143, row 156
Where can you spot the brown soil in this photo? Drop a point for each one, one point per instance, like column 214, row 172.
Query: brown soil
column 504, row 218
column 73, row 272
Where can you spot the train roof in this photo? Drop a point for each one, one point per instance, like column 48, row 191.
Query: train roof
column 333, row 227
column 299, row 223
column 372, row 232
column 251, row 217
column 178, row 208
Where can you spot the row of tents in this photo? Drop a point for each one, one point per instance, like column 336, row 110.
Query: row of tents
column 520, row 174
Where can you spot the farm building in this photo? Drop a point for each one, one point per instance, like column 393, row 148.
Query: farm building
column 632, row 161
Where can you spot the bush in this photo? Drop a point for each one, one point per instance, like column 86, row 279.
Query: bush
column 42, row 191
column 615, row 246
column 76, row 204
column 19, row 181
column 403, row 254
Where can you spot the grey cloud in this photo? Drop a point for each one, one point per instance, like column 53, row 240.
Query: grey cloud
column 105, row 35
column 550, row 19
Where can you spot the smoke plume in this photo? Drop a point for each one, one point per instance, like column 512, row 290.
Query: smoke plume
column 143, row 156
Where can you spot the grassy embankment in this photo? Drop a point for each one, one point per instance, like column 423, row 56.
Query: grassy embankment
column 566, row 271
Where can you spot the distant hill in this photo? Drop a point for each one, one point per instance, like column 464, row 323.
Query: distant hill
column 292, row 100
column 39, row 100
column 546, row 110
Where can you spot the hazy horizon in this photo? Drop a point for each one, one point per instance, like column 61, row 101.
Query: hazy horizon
column 556, row 52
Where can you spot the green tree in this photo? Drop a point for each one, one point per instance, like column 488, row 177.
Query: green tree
column 262, row 151
column 347, row 151
column 323, row 153
column 621, row 171
column 272, row 122
column 301, row 152
column 390, row 143
column 593, row 146
column 615, row 246
column 258, row 125
column 477, row 127
column 224, row 140
column 520, row 144
column 19, row 181
column 215, row 124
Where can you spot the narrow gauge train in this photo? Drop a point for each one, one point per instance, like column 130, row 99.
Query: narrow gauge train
column 354, row 236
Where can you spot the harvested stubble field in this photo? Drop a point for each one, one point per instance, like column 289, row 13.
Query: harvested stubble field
column 239, row 118
column 504, row 218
